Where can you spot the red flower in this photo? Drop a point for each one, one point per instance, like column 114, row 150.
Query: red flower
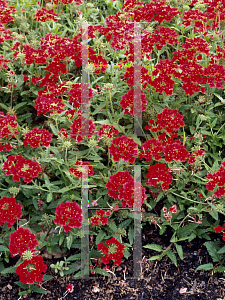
column 30, row 271
column 68, row 215
column 79, row 170
column 45, row 14
column 10, row 211
column 151, row 148
column 128, row 103
column 125, row 148
column 114, row 253
column 217, row 179
column 70, row 288
column 159, row 174
column 107, row 130
column 76, row 132
column 47, row 103
column 37, row 136
column 22, row 240
column 8, row 125
column 19, row 167
column 218, row 229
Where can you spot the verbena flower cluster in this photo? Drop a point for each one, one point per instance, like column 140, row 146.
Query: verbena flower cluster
column 20, row 167
column 37, row 136
column 10, row 211
column 68, row 215
column 122, row 186
column 111, row 253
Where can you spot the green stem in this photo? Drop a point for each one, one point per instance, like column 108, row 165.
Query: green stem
column 186, row 198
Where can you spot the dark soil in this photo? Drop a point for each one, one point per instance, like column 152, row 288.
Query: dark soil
column 161, row 279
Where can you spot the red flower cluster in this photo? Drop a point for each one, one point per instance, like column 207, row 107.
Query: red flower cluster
column 159, row 174
column 168, row 119
column 108, row 130
column 37, row 56
column 22, row 240
column 37, row 136
column 79, row 170
column 112, row 252
column 128, row 104
column 47, row 103
column 5, row 12
column 7, row 125
column 30, row 270
column 3, row 61
column 59, row 2
column 172, row 210
column 101, row 217
column 76, row 132
column 19, row 167
column 10, row 211
column 45, row 14
column 217, row 179
column 75, row 93
column 219, row 229
column 6, row 147
column 68, row 215
column 125, row 148
column 122, row 186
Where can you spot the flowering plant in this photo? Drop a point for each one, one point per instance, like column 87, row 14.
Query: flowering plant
column 71, row 102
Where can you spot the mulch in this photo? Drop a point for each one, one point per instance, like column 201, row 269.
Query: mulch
column 161, row 279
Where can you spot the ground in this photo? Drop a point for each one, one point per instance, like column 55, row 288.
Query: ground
column 161, row 279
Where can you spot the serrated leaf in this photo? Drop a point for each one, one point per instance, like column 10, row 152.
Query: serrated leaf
column 179, row 251
column 102, row 272
column 75, row 257
column 213, row 212
column 205, row 267
column 37, row 289
column 222, row 250
column 186, row 230
column 172, row 256
column 19, row 105
column 8, row 270
column 100, row 236
column 154, row 247
column 112, row 226
column 212, row 249
column 125, row 223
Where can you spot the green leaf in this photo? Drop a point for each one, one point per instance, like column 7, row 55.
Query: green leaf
column 3, row 106
column 205, row 267
column 218, row 96
column 22, row 285
column 112, row 226
column 179, row 251
column 125, row 223
column 222, row 250
column 154, row 247
column 102, row 272
column 8, row 270
column 37, row 289
column 214, row 212
column 49, row 197
column 212, row 249
column 20, row 105
column 131, row 235
column 75, row 257
column 3, row 248
column 172, row 256
column 155, row 257
column 186, row 230
column 69, row 241
column 100, row 236
column 47, row 277
column 54, row 130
